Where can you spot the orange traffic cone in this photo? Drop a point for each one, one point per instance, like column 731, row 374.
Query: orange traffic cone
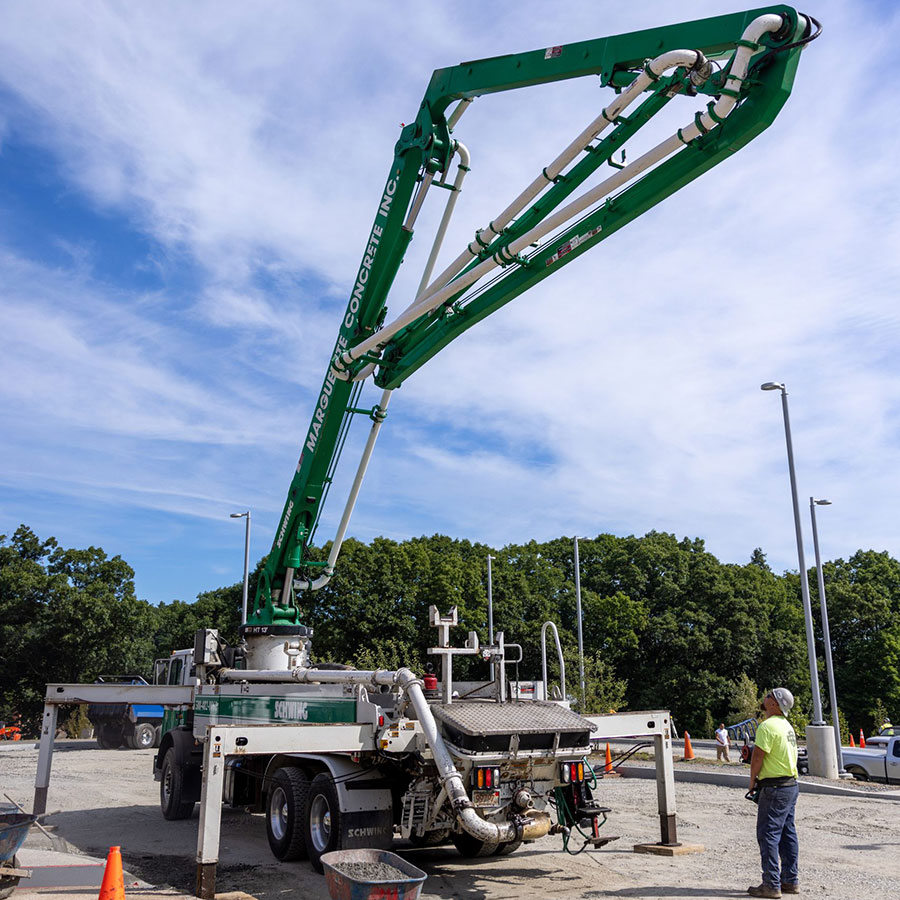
column 852, row 742
column 688, row 749
column 608, row 767
column 862, row 738
column 113, row 886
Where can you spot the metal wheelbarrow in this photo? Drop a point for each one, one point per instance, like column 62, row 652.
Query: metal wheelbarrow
column 371, row 875
column 14, row 828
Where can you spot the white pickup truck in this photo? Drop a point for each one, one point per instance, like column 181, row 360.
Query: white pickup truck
column 875, row 763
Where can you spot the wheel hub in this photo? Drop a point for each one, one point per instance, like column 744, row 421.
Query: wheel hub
column 320, row 823
column 278, row 813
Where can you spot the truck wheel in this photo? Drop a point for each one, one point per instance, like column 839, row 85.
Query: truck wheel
column 109, row 737
column 324, row 828
column 472, row 847
column 144, row 736
column 172, row 792
column 285, row 813
column 157, row 735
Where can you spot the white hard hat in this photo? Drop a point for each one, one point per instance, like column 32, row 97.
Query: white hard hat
column 784, row 698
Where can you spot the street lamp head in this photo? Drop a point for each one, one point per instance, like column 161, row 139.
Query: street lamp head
column 822, row 502
column 239, row 515
column 772, row 386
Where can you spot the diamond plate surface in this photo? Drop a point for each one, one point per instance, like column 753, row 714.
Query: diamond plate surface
column 489, row 718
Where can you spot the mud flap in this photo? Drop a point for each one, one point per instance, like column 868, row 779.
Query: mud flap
column 367, row 828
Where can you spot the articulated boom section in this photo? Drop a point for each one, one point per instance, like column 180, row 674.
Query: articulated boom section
column 742, row 65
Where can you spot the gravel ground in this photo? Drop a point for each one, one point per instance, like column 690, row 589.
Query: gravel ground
column 849, row 846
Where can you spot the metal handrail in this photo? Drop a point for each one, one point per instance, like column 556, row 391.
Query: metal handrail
column 562, row 665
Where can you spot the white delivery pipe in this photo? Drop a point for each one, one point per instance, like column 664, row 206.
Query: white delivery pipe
column 456, row 115
column 450, row 777
column 607, row 116
column 418, row 200
column 709, row 120
column 326, row 576
column 378, row 420
column 462, row 169
column 662, row 63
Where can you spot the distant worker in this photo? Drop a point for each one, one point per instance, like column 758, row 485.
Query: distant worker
column 773, row 769
column 722, row 743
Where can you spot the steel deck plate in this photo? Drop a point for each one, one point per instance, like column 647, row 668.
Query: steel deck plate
column 481, row 719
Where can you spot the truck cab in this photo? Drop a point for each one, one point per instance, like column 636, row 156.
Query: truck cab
column 178, row 668
column 880, row 763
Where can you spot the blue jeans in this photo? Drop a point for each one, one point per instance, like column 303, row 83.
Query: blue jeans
column 777, row 835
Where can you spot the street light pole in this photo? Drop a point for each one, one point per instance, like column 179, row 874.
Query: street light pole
column 829, row 667
column 490, row 610
column 578, row 617
column 245, row 515
column 804, row 581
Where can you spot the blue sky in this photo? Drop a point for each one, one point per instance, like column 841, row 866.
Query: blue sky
column 185, row 192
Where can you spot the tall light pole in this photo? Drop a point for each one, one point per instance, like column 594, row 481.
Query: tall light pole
column 826, row 636
column 490, row 610
column 804, row 583
column 246, row 561
column 578, row 617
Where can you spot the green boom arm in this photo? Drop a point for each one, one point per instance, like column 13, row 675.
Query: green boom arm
column 749, row 89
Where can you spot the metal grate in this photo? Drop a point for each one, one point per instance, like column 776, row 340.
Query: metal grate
column 481, row 719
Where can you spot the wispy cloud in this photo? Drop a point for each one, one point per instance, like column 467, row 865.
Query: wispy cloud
column 247, row 146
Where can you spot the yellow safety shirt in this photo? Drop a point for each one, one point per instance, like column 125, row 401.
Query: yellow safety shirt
column 777, row 738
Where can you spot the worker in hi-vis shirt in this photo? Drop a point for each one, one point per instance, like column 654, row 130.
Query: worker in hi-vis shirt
column 773, row 769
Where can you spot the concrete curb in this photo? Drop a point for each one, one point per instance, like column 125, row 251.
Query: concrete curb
column 726, row 779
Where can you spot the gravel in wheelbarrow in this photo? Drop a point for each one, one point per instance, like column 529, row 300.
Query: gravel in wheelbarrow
column 371, row 875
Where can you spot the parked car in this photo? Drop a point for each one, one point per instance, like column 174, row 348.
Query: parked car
column 875, row 763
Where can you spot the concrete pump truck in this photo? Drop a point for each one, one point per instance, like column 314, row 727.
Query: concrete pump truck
column 341, row 758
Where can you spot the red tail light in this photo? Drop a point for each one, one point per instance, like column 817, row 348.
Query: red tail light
column 486, row 777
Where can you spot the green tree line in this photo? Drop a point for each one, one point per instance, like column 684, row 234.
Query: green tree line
column 665, row 624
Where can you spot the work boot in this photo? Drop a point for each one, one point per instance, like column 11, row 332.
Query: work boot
column 764, row 890
column 788, row 888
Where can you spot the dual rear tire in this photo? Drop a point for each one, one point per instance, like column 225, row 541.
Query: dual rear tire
column 285, row 812
column 303, row 818
column 304, row 821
